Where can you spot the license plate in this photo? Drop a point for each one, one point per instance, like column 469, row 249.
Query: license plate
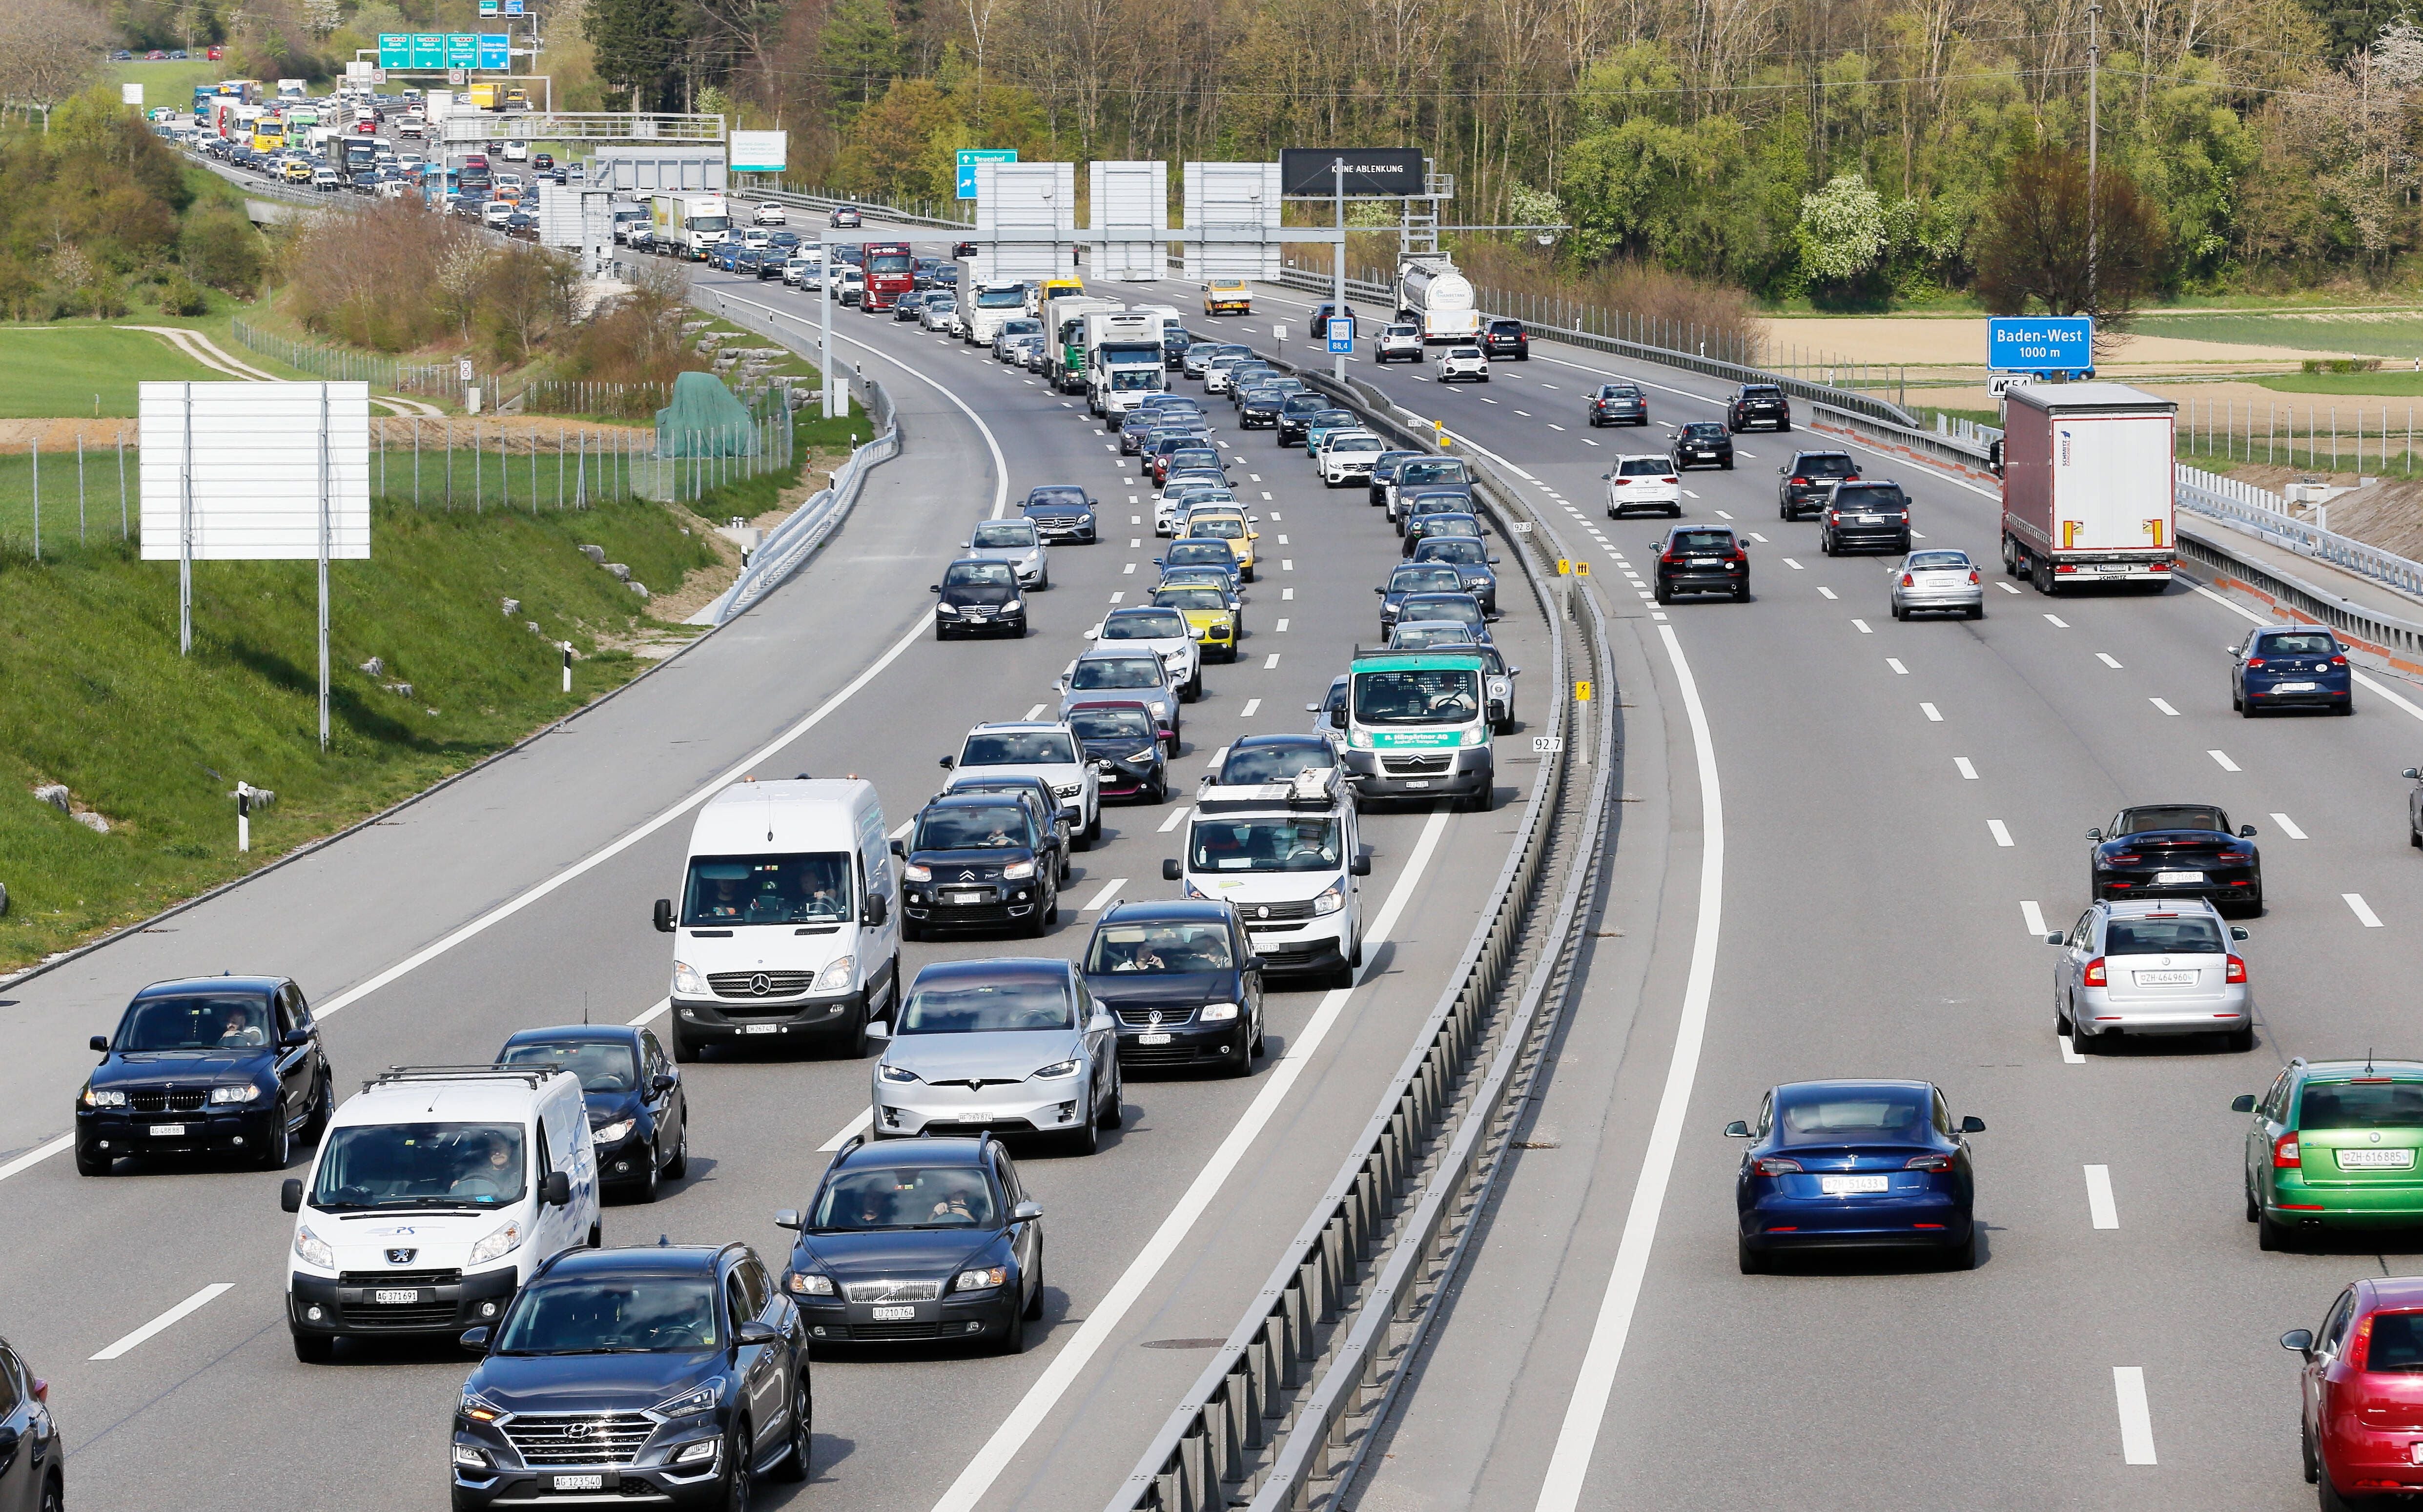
column 2376, row 1160
column 894, row 1315
column 1850, row 1186
column 168, row 1131
column 2292, row 687
column 963, row 897
column 1870, row 519
column 2165, row 879
column 1152, row 1039
column 394, row 1298
column 2166, row 979
column 1418, row 782
column 761, row 1029
column 577, row 1483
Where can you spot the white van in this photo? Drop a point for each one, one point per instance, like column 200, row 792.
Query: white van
column 435, row 1193
column 1289, row 857
column 788, row 926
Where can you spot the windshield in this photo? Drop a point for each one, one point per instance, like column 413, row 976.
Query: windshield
column 1704, row 428
column 887, row 262
column 994, row 827
column 1265, row 845
column 936, row 1197
column 1014, row 328
column 1018, row 747
column 647, row 1315
column 1129, row 380
column 1006, row 299
column 1853, row 496
column 1190, row 598
column 767, row 889
column 979, row 573
column 1424, row 580
column 1183, row 457
column 1461, row 608
column 1848, row 1115
column 1444, row 695
column 1112, row 724
column 1825, row 466
column 2368, row 1104
column 1468, row 552
column 420, row 1165
column 2169, row 816
column 1276, row 764
column 212, row 1021
column 602, row 1065
column 1224, row 526
column 988, row 1007
column 710, row 223
column 1124, row 672
column 1056, row 499
column 1419, row 636
column 1434, row 526
column 1355, row 443
column 1140, row 627
column 2162, row 936
column 1414, row 473
column 997, row 533
column 1156, row 949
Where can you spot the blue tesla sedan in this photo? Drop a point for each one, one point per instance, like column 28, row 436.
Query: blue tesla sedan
column 1855, row 1164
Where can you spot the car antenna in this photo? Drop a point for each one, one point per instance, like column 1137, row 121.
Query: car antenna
column 584, row 1010
column 2367, row 1060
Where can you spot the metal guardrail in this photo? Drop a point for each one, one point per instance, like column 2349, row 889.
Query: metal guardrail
column 1207, row 1449
column 2258, row 513
column 879, row 209
column 2386, row 634
column 798, row 538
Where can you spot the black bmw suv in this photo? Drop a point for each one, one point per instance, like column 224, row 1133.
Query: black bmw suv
column 1296, row 411
column 1806, row 479
column 1756, row 405
column 223, row 1066
column 658, row 1373
column 1701, row 558
column 1181, row 978
column 1506, row 339
column 33, row 1463
column 978, row 595
column 979, row 860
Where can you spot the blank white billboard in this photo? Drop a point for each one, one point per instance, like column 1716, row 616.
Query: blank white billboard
column 254, row 456
column 1130, row 197
column 760, row 151
column 1235, row 205
column 1033, row 208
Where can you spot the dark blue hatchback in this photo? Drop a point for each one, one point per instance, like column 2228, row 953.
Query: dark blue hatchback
column 2281, row 668
column 1856, row 1165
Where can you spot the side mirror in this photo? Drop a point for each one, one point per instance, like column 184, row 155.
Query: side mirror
column 877, row 910
column 1101, row 1023
column 2300, row 1341
column 1737, row 1129
column 663, row 1081
column 899, row 850
column 944, row 764
column 1362, row 866
column 756, row 1332
column 1492, row 561
column 1026, row 1212
column 877, row 1029
column 557, row 1193
column 2243, row 1103
column 2055, row 937
column 1382, row 592
column 1170, row 871
column 788, row 1218
column 101, row 1042
column 1309, row 708
column 2411, row 774
column 290, row 1196
column 294, row 1039
column 474, row 1341
column 2246, row 831
column 2095, row 834
column 2231, row 649
column 2237, row 932
column 933, row 587
column 664, row 916
column 1972, row 1123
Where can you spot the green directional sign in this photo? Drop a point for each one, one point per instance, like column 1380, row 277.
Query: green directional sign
column 428, row 51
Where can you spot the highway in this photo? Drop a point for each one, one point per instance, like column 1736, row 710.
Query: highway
column 518, row 896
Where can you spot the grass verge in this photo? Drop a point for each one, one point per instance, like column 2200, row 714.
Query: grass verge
column 83, row 369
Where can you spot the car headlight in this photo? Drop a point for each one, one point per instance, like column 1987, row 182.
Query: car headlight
column 502, row 1240
column 687, row 980
column 840, row 976
column 1013, row 606
column 1218, row 1012
column 808, row 1284
column 1333, row 898
column 1069, row 790
column 1476, row 736
column 889, row 1072
column 1018, row 870
column 234, row 1093
column 694, row 1454
column 690, row 1403
column 1056, row 1070
column 312, row 1250
column 479, row 1409
column 471, row 1457
column 951, row 610
column 918, row 874
column 1358, row 740
column 610, row 1133
column 103, row 1098
column 980, row 1280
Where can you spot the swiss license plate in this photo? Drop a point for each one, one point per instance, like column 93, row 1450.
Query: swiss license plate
column 2165, row 879
column 1418, row 782
column 2292, row 687
column 761, row 1029
column 575, row 1482
column 2166, row 979
column 894, row 1315
column 1850, row 1186
column 2376, row 1160
column 1152, row 1039
column 168, row 1131
column 395, row 1296
column 962, row 897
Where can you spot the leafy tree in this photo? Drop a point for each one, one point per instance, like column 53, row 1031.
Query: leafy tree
column 862, row 51
column 2033, row 244
column 1842, row 232
column 637, row 42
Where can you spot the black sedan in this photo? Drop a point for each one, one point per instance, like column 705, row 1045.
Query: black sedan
column 1619, row 404
column 1062, row 512
column 909, row 305
column 639, row 1115
column 1409, row 580
column 2177, row 850
column 1383, row 472
column 1128, row 747
column 1296, row 411
column 978, row 595
column 1259, row 407
column 1471, row 562
column 1856, row 1165
column 1702, row 444
column 1135, row 427
column 1182, row 980
column 918, row 1241
column 224, row 1065
column 979, row 860
column 667, row 1373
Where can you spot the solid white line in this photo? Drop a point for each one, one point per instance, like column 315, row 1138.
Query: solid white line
column 1894, row 662
column 1862, row 623
column 2136, row 1420
column 1104, row 1316
column 1933, row 716
column 1586, row 1408
column 1101, row 900
column 2100, row 1209
column 2105, row 658
column 662, row 1003
column 1247, row 712
column 1966, row 769
column 36, row 1155
column 2222, row 757
column 2056, row 622
column 1823, row 591
column 2164, row 705
column 2034, row 917
column 189, row 1306
column 2363, row 911
column 1177, row 817
column 2288, row 827
column 2002, row 832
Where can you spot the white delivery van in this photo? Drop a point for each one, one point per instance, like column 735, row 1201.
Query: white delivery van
column 788, row 929
column 1288, row 857
column 435, row 1193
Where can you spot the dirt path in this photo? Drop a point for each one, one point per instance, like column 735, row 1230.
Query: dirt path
column 217, row 358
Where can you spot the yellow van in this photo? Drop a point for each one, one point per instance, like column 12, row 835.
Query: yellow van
column 1228, row 297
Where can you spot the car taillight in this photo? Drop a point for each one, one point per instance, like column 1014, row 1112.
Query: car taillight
column 1774, row 1165
column 1619, row 482
column 2359, row 1355
column 2253, row 661
column 1930, row 1162
column 1972, row 574
column 1908, row 581
column 1801, row 482
column 2285, row 1156
column 2125, row 858
column 2095, row 976
column 1671, row 479
column 2341, row 661
column 1737, row 554
column 1672, row 559
column 2237, row 970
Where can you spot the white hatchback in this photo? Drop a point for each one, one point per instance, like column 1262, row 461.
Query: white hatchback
column 769, row 214
column 1645, row 481
column 1464, row 362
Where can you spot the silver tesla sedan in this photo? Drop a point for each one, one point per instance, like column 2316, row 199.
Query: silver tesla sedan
column 1936, row 582
column 1009, row 1046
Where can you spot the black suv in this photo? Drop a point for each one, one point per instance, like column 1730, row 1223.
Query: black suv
column 1619, row 402
column 1807, row 480
column 978, row 594
column 1864, row 516
column 223, row 1066
column 918, row 1241
column 1259, row 407
column 1181, row 978
column 1506, row 339
column 662, row 1374
column 1758, row 404
column 1295, row 413
column 1701, row 558
column 33, row 1472
column 979, row 859
column 639, row 1115
column 1702, row 444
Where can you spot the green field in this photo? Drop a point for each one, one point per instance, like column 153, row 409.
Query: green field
column 2392, row 382
column 169, row 84
column 2389, row 334
column 83, row 371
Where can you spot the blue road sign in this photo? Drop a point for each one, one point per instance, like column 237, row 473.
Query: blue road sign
column 2063, row 343
column 971, row 156
column 1341, row 334
column 513, row 7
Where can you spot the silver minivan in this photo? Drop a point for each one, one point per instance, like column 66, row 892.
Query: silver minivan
column 2151, row 966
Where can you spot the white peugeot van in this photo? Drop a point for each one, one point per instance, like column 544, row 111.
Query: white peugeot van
column 435, row 1193
column 1288, row 857
column 789, row 926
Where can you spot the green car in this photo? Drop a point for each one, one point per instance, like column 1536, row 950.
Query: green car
column 2335, row 1145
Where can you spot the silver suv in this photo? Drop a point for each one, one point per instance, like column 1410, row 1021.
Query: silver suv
column 2151, row 966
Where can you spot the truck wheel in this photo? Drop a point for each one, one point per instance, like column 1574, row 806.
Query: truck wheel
column 2040, row 575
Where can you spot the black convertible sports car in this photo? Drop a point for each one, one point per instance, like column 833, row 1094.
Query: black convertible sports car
column 2177, row 850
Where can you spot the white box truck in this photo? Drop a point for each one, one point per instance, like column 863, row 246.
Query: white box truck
column 2087, row 485
column 691, row 223
column 1063, row 333
column 1122, row 361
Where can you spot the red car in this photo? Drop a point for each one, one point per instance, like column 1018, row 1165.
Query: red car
column 2362, row 1389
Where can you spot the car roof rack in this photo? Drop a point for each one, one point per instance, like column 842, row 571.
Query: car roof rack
column 1315, row 789
column 401, row 1074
